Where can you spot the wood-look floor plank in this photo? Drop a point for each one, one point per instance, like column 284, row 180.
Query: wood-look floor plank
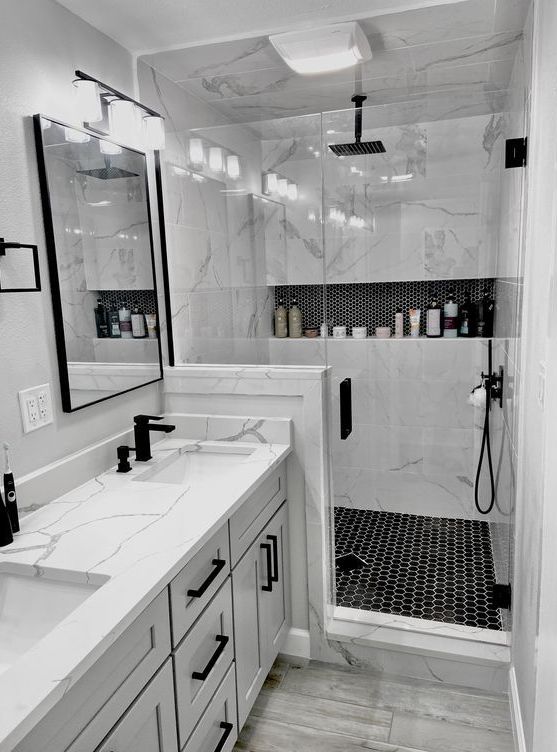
column 426, row 699
column 323, row 714
column 440, row 736
column 260, row 735
column 276, row 674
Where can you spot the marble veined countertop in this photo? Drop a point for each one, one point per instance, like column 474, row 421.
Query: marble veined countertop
column 135, row 536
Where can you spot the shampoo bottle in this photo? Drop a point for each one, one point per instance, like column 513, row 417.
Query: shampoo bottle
column 125, row 318
column 450, row 316
column 294, row 321
column 467, row 326
column 281, row 321
column 138, row 324
column 399, row 324
column 101, row 320
column 114, row 323
column 433, row 320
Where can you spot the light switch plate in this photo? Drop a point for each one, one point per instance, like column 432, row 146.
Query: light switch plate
column 36, row 407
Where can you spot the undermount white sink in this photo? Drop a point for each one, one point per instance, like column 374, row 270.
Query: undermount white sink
column 33, row 601
column 197, row 464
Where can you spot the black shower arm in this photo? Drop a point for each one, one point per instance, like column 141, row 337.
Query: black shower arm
column 358, row 100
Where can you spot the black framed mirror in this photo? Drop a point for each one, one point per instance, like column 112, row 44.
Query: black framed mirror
column 99, row 237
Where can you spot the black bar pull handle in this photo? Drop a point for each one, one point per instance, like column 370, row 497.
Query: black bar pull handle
column 275, row 574
column 227, row 731
column 222, row 643
column 268, row 588
column 199, row 592
column 345, row 408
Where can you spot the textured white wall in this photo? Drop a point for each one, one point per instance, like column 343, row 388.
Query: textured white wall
column 41, row 44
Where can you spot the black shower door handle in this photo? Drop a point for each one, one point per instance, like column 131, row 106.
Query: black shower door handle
column 345, row 408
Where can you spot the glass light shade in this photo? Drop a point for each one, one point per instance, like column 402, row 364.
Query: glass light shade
column 271, row 182
column 292, row 191
column 123, row 121
column 76, row 137
column 282, row 187
column 216, row 159
column 153, row 131
column 233, row 166
column 196, row 151
column 88, row 101
column 107, row 147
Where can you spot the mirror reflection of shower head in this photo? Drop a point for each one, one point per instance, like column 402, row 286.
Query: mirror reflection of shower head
column 359, row 147
column 108, row 172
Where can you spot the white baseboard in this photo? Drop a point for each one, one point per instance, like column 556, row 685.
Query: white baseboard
column 297, row 643
column 516, row 715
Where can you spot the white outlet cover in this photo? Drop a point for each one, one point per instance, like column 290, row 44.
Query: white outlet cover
column 35, row 405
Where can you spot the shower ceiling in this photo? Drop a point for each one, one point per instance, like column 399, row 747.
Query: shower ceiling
column 464, row 46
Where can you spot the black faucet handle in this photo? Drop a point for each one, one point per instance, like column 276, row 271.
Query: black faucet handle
column 142, row 420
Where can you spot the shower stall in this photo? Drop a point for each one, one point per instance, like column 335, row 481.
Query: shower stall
column 354, row 239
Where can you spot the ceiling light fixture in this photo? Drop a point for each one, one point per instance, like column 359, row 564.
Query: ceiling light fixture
column 324, row 49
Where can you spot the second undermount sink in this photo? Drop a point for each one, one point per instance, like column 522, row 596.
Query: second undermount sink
column 33, row 601
column 197, row 463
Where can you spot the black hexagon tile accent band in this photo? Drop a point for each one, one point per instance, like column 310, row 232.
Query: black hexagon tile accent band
column 427, row 567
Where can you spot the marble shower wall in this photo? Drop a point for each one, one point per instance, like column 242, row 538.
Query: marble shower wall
column 430, row 203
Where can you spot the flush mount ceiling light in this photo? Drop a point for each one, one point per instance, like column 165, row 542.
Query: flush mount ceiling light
column 322, row 50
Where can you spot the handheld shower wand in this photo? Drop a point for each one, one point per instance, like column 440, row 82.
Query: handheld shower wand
column 493, row 384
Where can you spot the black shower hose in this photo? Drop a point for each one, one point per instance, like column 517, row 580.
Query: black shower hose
column 485, row 443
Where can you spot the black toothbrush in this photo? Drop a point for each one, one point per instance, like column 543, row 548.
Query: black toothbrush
column 9, row 491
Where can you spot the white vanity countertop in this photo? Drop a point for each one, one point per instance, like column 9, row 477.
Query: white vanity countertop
column 140, row 535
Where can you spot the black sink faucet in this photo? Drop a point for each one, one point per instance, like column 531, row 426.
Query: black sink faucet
column 142, row 428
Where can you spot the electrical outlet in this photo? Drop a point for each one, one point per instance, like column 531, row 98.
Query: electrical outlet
column 36, row 407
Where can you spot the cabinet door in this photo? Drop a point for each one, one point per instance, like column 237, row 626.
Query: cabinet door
column 149, row 725
column 248, row 629
column 275, row 603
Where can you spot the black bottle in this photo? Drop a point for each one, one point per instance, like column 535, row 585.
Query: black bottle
column 467, row 322
column 434, row 320
column 6, row 535
column 101, row 321
column 486, row 311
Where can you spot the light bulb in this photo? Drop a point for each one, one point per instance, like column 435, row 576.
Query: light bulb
column 233, row 166
column 123, row 120
column 216, row 160
column 88, row 101
column 107, row 147
column 271, row 182
column 76, row 137
column 292, row 191
column 282, row 186
column 196, row 151
column 153, row 130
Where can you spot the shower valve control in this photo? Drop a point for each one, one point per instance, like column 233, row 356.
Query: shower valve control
column 494, row 385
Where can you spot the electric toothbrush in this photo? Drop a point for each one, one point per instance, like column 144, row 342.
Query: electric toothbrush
column 9, row 491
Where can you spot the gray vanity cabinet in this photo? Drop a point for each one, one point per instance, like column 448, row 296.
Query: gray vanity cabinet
column 185, row 674
column 260, row 583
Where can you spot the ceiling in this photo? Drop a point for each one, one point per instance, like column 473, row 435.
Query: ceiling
column 465, row 49
column 152, row 25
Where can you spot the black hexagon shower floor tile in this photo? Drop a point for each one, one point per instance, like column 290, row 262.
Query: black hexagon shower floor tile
column 426, row 567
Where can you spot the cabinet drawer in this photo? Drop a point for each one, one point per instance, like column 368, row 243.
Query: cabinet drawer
column 217, row 730
column 197, row 583
column 149, row 725
column 202, row 659
column 255, row 512
column 110, row 686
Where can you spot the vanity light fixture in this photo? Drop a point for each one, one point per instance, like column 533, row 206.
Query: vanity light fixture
column 292, row 191
column 108, row 147
column 196, row 151
column 323, row 49
column 73, row 136
column 153, row 131
column 233, row 166
column 282, row 187
column 128, row 120
column 216, row 159
column 88, row 101
column 270, row 183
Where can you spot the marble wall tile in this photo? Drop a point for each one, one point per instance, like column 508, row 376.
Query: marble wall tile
column 194, row 200
column 199, row 259
column 448, row 450
column 393, row 448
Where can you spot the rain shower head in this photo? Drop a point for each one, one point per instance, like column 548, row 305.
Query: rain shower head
column 359, row 147
column 108, row 172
